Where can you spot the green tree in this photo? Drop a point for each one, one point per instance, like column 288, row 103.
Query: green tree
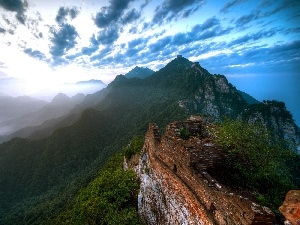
column 134, row 147
column 111, row 198
column 256, row 160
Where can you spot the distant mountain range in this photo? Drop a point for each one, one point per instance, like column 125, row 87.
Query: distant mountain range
column 40, row 176
column 19, row 87
column 27, row 122
column 88, row 82
column 13, row 107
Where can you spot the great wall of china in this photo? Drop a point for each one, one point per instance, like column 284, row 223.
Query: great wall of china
column 175, row 187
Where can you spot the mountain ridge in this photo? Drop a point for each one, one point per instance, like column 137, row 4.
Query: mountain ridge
column 140, row 72
column 60, row 105
column 106, row 121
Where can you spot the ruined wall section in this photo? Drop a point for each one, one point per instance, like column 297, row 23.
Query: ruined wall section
column 163, row 198
column 177, row 166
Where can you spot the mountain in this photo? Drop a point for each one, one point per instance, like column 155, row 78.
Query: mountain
column 139, row 72
column 248, row 98
column 40, row 177
column 78, row 98
column 19, row 87
column 273, row 114
column 13, row 107
column 90, row 82
column 60, row 105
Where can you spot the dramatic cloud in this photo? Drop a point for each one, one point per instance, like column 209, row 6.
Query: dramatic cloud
column 63, row 40
column 253, row 37
column 145, row 4
column 111, row 14
column 108, row 36
column 131, row 16
column 111, row 19
column 17, row 6
column 174, row 9
column 92, row 48
column 257, row 57
column 35, row 54
column 209, row 23
column 105, row 37
column 14, row 5
column 243, row 20
column 229, row 5
column 101, row 56
column 208, row 29
column 160, row 44
column 63, row 12
column 265, row 9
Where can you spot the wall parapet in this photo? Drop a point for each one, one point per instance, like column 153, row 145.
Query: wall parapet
column 189, row 158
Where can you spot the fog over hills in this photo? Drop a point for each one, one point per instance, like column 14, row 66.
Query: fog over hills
column 66, row 153
column 13, row 107
column 17, row 87
column 80, row 80
column 58, row 107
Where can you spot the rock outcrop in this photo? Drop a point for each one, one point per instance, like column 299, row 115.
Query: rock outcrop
column 273, row 114
column 175, row 187
column 291, row 207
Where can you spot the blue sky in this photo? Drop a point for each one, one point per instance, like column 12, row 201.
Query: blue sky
column 255, row 44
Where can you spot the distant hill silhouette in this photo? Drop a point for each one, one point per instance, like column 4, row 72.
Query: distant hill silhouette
column 90, row 82
column 139, row 72
column 248, row 98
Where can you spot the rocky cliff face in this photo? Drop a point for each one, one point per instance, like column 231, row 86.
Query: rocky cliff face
column 291, row 208
column 176, row 189
column 214, row 96
column 163, row 199
column 273, row 114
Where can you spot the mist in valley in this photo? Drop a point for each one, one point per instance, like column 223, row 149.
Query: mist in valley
column 25, row 104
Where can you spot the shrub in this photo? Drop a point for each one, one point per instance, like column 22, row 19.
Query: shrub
column 257, row 160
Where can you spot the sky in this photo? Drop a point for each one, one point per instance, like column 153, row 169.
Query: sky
column 255, row 44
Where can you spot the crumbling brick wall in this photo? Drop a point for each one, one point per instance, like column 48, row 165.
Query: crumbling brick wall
column 188, row 160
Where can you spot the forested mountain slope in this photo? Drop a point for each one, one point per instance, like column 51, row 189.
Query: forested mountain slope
column 38, row 177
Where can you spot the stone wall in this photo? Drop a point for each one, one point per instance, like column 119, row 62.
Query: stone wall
column 176, row 189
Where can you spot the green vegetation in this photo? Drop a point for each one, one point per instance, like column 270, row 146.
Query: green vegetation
column 257, row 161
column 268, row 109
column 134, row 147
column 248, row 98
column 40, row 179
column 111, row 198
column 184, row 134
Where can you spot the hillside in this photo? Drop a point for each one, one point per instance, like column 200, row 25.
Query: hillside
column 32, row 121
column 13, row 107
column 139, row 72
column 38, row 178
column 248, row 98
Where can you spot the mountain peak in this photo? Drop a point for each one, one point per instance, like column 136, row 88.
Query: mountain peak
column 60, row 98
column 184, row 63
column 140, row 72
column 78, row 98
column 181, row 59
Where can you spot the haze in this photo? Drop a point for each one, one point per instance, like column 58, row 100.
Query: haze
column 255, row 44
